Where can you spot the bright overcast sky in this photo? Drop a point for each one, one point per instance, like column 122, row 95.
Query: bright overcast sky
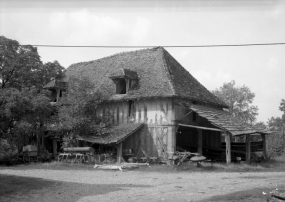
column 161, row 23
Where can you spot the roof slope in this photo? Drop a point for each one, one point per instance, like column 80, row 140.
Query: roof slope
column 221, row 119
column 56, row 83
column 114, row 134
column 159, row 75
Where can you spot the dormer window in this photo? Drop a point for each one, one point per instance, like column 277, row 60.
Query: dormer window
column 124, row 80
column 121, row 86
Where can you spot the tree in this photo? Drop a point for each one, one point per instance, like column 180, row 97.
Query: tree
column 17, row 64
column 21, row 67
column 278, row 123
column 239, row 100
column 275, row 123
column 77, row 110
column 282, row 108
column 260, row 125
column 24, row 107
column 22, row 113
column 47, row 72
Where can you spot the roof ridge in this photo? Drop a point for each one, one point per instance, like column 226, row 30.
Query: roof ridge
column 167, row 71
column 120, row 54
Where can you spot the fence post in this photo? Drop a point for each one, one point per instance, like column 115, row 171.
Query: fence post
column 264, row 146
column 228, row 147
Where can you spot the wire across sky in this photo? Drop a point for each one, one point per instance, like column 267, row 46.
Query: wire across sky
column 167, row 46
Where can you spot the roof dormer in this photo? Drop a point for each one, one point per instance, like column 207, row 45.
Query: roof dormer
column 124, row 80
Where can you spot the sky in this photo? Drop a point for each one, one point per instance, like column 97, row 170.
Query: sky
column 164, row 23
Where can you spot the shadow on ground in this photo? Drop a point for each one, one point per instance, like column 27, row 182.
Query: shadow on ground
column 249, row 195
column 27, row 189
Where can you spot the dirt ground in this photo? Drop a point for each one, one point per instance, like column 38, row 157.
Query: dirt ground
column 29, row 184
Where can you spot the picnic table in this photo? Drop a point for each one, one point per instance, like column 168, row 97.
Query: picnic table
column 76, row 154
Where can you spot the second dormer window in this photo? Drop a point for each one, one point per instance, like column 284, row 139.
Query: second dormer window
column 121, row 86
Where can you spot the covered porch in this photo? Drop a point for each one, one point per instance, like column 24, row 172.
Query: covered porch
column 214, row 136
column 114, row 138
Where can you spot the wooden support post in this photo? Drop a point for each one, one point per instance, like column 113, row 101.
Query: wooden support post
column 200, row 141
column 54, row 146
column 247, row 148
column 228, row 147
column 119, row 152
column 43, row 144
column 264, row 146
column 57, row 95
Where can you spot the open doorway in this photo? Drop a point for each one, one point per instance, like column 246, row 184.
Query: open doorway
column 187, row 139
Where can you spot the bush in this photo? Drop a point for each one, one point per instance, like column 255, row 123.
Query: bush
column 7, row 150
column 275, row 144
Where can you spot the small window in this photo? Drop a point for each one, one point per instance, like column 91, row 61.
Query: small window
column 131, row 108
column 121, row 86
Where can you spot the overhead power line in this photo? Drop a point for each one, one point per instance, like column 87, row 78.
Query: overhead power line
column 186, row 46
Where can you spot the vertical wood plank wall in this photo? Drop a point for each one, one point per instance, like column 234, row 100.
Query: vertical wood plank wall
column 158, row 133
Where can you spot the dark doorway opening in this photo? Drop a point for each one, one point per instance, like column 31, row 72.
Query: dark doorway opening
column 187, row 139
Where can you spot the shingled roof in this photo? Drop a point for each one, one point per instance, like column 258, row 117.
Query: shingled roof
column 114, row 135
column 56, row 84
column 221, row 119
column 158, row 73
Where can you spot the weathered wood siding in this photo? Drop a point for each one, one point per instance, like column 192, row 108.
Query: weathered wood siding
column 157, row 137
column 185, row 116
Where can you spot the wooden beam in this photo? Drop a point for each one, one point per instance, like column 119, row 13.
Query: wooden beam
column 200, row 141
column 200, row 127
column 247, row 148
column 264, row 146
column 119, row 152
column 228, row 147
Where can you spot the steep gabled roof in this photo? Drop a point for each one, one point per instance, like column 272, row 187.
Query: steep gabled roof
column 158, row 73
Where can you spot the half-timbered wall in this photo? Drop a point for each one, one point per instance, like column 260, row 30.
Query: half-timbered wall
column 157, row 137
column 159, row 134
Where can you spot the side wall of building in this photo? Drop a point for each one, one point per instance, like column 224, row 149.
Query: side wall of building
column 157, row 137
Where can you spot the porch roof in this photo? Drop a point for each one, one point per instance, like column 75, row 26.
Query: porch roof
column 114, row 135
column 221, row 119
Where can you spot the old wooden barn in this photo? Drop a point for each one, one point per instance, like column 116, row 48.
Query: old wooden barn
column 158, row 107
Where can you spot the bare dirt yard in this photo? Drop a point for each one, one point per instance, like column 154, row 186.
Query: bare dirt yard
column 30, row 183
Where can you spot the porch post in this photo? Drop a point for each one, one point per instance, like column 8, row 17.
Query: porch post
column 247, row 148
column 264, row 146
column 228, row 147
column 200, row 141
column 54, row 146
column 57, row 94
column 119, row 152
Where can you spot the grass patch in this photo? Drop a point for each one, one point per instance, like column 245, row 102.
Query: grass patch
column 272, row 165
column 54, row 165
